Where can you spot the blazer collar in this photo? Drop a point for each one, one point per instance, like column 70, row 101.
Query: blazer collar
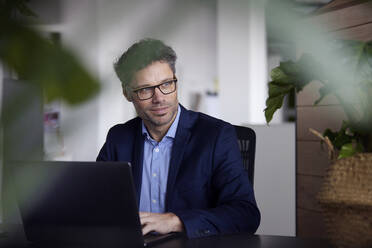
column 137, row 156
column 187, row 119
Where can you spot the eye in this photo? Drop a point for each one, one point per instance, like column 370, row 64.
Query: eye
column 167, row 84
column 144, row 90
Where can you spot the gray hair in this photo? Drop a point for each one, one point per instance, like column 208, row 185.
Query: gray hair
column 140, row 55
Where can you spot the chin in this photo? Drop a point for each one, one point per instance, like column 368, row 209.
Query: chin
column 160, row 121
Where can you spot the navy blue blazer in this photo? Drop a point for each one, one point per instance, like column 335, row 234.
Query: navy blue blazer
column 207, row 187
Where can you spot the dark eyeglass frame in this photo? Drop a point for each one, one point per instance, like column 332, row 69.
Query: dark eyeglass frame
column 174, row 80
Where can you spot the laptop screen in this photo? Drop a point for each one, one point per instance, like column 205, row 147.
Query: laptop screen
column 89, row 203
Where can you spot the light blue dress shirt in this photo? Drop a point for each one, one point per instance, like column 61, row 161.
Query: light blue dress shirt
column 156, row 159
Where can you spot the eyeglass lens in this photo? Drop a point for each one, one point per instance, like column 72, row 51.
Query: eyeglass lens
column 165, row 88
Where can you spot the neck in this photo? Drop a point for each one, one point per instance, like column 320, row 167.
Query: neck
column 158, row 132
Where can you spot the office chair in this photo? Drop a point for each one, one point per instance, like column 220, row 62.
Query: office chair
column 247, row 146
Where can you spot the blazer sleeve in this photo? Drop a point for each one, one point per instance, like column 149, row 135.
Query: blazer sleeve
column 236, row 209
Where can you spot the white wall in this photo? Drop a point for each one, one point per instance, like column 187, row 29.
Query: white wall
column 257, row 62
column 242, row 69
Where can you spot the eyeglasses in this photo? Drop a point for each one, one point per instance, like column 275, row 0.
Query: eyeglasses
column 165, row 88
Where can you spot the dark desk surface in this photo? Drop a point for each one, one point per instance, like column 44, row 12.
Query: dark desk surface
column 223, row 241
column 244, row 240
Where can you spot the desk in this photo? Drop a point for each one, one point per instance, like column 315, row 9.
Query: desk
column 222, row 241
column 244, row 240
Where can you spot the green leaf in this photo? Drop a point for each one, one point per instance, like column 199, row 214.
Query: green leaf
column 368, row 51
column 363, row 69
column 342, row 139
column 347, row 150
column 279, row 89
column 287, row 76
column 308, row 71
column 279, row 77
column 359, row 147
column 354, row 87
column 323, row 91
column 272, row 104
column 277, row 92
column 345, row 125
column 290, row 68
column 51, row 67
column 9, row 7
column 24, row 9
column 330, row 134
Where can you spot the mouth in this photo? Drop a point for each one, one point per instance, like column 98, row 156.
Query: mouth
column 159, row 110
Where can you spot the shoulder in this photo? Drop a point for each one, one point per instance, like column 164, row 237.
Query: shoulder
column 211, row 121
column 200, row 122
column 126, row 129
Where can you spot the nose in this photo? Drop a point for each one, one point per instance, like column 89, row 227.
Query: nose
column 158, row 96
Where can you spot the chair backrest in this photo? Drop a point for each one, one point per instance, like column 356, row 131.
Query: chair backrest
column 247, row 145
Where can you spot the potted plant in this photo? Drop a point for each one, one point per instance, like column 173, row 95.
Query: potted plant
column 346, row 195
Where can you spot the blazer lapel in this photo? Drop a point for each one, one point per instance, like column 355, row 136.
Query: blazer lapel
column 138, row 162
column 178, row 149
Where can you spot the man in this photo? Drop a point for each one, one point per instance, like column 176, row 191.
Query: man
column 186, row 166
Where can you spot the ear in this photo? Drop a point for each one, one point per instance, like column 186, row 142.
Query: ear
column 127, row 96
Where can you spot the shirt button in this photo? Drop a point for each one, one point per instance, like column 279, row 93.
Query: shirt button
column 154, row 174
column 156, row 149
column 153, row 201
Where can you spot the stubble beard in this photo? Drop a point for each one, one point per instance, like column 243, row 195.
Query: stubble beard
column 156, row 122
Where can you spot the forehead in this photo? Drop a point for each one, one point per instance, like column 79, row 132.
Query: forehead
column 152, row 74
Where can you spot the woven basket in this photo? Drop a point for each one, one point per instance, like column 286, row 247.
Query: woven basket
column 346, row 200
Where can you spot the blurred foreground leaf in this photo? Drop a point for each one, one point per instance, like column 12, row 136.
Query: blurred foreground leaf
column 38, row 61
column 349, row 79
column 10, row 7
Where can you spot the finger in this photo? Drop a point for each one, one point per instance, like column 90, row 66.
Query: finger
column 148, row 219
column 144, row 214
column 144, row 220
column 146, row 229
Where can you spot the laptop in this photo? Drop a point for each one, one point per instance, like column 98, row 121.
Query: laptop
column 80, row 204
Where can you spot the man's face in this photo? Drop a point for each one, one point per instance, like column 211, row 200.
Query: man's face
column 160, row 110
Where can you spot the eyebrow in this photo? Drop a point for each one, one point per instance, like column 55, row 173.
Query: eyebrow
column 148, row 85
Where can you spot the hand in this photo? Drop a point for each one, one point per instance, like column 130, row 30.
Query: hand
column 161, row 223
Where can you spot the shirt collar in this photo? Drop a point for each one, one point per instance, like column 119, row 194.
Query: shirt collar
column 171, row 131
